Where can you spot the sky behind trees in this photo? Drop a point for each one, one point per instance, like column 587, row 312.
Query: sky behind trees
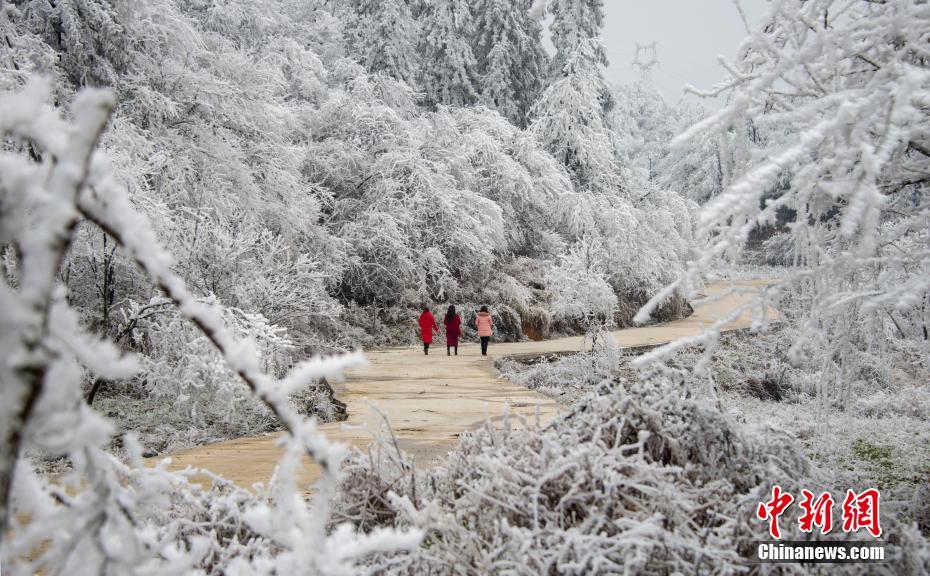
column 690, row 36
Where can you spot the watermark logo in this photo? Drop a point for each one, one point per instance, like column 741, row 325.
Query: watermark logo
column 774, row 508
column 807, row 552
column 860, row 511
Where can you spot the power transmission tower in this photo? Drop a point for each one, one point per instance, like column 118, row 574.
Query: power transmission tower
column 650, row 58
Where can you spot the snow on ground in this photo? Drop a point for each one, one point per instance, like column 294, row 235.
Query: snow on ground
column 878, row 437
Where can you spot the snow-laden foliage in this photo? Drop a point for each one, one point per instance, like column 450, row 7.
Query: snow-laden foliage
column 104, row 516
column 830, row 130
column 693, row 168
column 569, row 119
column 264, row 159
column 511, row 59
column 646, row 125
column 636, row 223
column 383, row 35
column 637, row 478
column 573, row 22
column 450, row 71
column 455, row 192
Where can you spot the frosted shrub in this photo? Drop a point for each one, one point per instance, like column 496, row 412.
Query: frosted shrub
column 623, row 482
column 579, row 287
column 570, row 377
column 778, row 250
column 635, row 478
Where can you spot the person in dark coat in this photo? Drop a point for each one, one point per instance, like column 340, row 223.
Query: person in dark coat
column 453, row 324
column 427, row 327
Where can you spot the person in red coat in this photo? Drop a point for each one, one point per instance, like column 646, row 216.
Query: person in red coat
column 453, row 324
column 427, row 327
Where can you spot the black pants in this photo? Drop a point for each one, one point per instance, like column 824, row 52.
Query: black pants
column 425, row 348
column 456, row 349
column 484, row 345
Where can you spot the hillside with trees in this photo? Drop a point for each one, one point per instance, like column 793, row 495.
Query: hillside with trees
column 208, row 208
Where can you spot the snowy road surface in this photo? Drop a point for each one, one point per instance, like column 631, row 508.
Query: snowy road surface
column 430, row 400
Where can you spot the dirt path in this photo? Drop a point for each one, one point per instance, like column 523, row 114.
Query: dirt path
column 430, row 400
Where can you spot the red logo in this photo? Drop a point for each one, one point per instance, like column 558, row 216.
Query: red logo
column 816, row 513
column 774, row 508
column 859, row 511
column 862, row 512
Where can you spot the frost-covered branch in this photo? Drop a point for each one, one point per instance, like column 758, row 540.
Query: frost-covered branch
column 111, row 517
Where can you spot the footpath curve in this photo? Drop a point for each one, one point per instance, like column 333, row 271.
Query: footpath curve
column 430, row 400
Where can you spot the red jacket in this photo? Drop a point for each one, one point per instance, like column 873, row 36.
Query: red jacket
column 427, row 327
column 453, row 330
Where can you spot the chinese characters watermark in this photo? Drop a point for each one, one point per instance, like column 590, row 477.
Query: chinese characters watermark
column 860, row 511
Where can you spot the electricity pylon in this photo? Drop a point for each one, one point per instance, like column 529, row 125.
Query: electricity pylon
column 645, row 65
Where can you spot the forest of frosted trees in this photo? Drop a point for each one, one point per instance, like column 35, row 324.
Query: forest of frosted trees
column 207, row 207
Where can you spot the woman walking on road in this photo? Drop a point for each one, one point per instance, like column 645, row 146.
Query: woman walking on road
column 485, row 323
column 453, row 324
column 427, row 327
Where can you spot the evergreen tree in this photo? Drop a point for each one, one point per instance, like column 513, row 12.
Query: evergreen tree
column 510, row 56
column 88, row 35
column 570, row 117
column 450, row 71
column 573, row 22
column 644, row 124
column 383, row 35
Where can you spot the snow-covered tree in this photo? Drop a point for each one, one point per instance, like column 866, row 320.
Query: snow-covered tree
column 573, row 22
column 449, row 74
column 105, row 515
column 89, row 36
column 383, row 36
column 579, row 284
column 511, row 60
column 569, row 118
column 691, row 167
column 645, row 124
column 827, row 120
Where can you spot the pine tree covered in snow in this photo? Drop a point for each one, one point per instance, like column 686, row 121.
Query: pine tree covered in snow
column 573, row 22
column 570, row 118
column 449, row 74
column 511, row 60
column 383, row 36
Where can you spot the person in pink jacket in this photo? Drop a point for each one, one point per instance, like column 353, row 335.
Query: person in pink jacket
column 485, row 325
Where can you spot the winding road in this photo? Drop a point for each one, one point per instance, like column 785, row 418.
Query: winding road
column 430, row 400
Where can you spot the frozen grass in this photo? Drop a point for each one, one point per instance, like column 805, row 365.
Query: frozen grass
column 878, row 435
column 567, row 378
column 638, row 477
column 163, row 427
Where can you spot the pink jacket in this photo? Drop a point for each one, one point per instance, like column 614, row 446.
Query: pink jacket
column 484, row 323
